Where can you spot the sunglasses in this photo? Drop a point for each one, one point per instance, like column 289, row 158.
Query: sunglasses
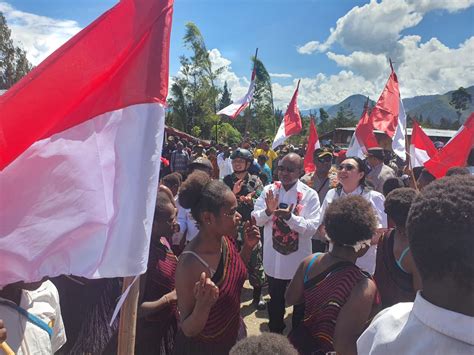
column 347, row 167
column 286, row 168
column 325, row 159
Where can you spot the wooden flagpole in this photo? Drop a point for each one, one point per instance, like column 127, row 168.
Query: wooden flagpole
column 128, row 318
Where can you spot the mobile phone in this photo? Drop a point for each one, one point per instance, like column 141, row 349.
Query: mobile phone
column 282, row 205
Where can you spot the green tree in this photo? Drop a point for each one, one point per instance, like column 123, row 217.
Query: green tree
column 459, row 101
column 13, row 62
column 225, row 97
column 323, row 125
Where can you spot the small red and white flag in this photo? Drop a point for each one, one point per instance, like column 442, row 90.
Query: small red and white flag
column 363, row 137
column 313, row 144
column 291, row 123
column 80, row 147
column 399, row 139
column 422, row 148
column 455, row 152
column 384, row 115
column 236, row 107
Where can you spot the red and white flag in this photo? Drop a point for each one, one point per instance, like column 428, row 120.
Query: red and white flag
column 313, row 144
column 291, row 123
column 421, row 146
column 80, row 147
column 236, row 107
column 384, row 115
column 455, row 152
column 363, row 137
column 399, row 139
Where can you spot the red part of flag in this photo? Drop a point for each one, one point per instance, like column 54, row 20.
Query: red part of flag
column 292, row 117
column 86, row 76
column 454, row 153
column 313, row 142
column 384, row 115
column 420, row 140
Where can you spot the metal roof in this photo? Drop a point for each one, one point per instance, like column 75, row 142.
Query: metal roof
column 431, row 132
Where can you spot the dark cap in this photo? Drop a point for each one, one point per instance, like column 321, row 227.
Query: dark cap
column 323, row 152
column 202, row 162
column 376, row 152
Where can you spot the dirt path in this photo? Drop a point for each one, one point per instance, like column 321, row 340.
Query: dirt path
column 257, row 321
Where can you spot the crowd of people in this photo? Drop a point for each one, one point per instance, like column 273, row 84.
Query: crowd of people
column 374, row 258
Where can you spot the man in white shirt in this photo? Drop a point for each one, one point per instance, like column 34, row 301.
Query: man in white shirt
column 225, row 163
column 32, row 315
column 440, row 229
column 289, row 212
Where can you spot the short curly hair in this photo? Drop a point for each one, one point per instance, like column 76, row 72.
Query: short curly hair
column 264, row 344
column 349, row 220
column 202, row 194
column 440, row 228
column 397, row 204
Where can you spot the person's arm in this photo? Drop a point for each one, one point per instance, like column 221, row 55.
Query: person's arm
column 147, row 308
column 251, row 239
column 353, row 317
column 260, row 210
column 195, row 299
column 295, row 292
column 307, row 224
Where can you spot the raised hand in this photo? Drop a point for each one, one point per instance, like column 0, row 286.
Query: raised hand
column 205, row 292
column 247, row 199
column 237, row 186
column 284, row 213
column 271, row 202
column 251, row 234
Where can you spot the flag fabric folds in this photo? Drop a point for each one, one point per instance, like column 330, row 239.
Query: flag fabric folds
column 291, row 123
column 422, row 148
column 80, row 146
column 455, row 152
column 363, row 137
column 236, row 107
column 384, row 115
column 399, row 139
column 313, row 144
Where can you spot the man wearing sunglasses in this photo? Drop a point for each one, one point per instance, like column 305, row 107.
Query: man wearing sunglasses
column 288, row 210
column 319, row 180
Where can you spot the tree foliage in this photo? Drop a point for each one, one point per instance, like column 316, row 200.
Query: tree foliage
column 13, row 62
column 225, row 97
column 459, row 101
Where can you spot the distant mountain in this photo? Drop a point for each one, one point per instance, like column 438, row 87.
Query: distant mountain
column 433, row 107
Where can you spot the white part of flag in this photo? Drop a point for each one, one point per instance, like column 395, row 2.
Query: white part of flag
column 236, row 107
column 398, row 141
column 82, row 201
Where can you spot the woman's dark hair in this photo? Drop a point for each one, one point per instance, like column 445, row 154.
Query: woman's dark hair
column 264, row 344
column 391, row 184
column 163, row 199
column 350, row 219
column 397, row 204
column 458, row 170
column 202, row 194
column 440, row 228
column 173, row 179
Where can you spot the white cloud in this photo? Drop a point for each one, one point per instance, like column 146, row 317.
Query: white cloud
column 369, row 65
column 280, row 75
column 449, row 5
column 38, row 35
column 312, row 46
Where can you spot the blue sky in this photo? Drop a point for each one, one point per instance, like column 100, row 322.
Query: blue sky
column 431, row 41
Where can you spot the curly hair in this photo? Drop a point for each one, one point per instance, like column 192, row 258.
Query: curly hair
column 202, row 194
column 264, row 344
column 458, row 170
column 397, row 204
column 440, row 228
column 349, row 220
column 391, row 184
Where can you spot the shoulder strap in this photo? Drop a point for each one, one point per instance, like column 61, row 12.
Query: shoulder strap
column 402, row 255
column 31, row 318
column 313, row 259
column 211, row 270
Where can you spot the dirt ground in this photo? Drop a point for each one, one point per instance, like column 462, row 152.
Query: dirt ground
column 257, row 321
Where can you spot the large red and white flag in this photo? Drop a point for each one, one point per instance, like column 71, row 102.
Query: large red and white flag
column 363, row 137
column 313, row 144
column 236, row 107
column 384, row 115
column 291, row 123
column 399, row 139
column 421, row 146
column 455, row 152
column 80, row 146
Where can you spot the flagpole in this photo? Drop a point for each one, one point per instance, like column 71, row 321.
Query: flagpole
column 247, row 119
column 128, row 318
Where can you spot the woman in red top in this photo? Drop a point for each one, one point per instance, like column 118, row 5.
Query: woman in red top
column 339, row 298
column 210, row 272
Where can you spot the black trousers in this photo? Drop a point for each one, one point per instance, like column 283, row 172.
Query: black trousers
column 276, row 306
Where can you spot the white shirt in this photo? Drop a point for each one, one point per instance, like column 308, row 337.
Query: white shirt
column 225, row 166
column 366, row 262
column 187, row 224
column 305, row 224
column 23, row 336
column 418, row 328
